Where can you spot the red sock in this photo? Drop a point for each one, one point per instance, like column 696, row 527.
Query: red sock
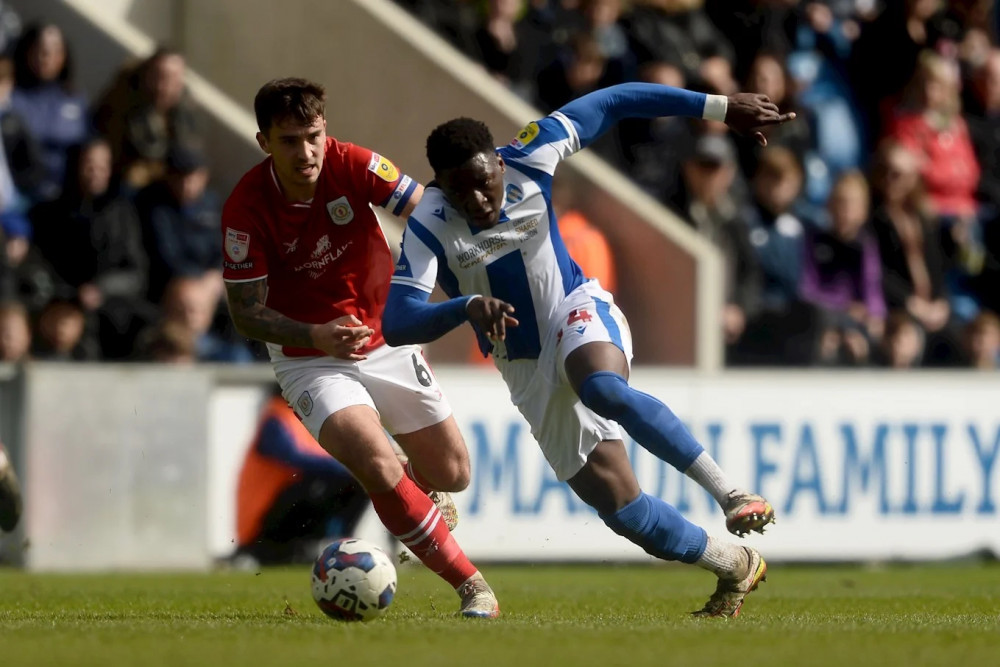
column 411, row 516
column 411, row 472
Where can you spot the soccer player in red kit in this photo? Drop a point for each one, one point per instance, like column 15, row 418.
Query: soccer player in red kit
column 307, row 271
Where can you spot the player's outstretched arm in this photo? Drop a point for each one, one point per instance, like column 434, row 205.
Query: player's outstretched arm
column 593, row 114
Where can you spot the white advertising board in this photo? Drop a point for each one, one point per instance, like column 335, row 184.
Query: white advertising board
column 858, row 466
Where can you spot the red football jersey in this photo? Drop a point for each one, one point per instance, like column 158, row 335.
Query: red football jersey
column 323, row 259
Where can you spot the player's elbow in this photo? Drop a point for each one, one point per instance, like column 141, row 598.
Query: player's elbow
column 394, row 332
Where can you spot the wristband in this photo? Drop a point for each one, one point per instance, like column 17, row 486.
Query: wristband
column 715, row 108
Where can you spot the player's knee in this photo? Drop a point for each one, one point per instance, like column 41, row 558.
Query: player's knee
column 605, row 393
column 454, row 475
column 377, row 474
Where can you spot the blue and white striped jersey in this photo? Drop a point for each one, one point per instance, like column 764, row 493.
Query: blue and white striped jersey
column 522, row 260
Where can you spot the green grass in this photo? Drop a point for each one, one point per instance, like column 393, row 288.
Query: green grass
column 552, row 616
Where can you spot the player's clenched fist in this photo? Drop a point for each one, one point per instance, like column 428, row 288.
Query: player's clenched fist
column 492, row 315
column 342, row 337
column 745, row 112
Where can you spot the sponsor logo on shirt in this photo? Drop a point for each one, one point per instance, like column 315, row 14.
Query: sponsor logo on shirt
column 480, row 251
column 525, row 136
column 321, row 246
column 237, row 244
column 397, row 194
column 340, row 211
column 323, row 257
column 291, row 247
column 526, row 229
column 383, row 168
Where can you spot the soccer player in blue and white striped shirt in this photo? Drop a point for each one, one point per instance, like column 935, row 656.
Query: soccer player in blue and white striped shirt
column 486, row 233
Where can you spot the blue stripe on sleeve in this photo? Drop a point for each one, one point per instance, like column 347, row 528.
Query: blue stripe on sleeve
column 594, row 113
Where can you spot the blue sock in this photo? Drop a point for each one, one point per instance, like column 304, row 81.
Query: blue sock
column 659, row 529
column 644, row 417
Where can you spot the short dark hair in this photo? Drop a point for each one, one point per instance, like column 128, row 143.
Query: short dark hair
column 297, row 100
column 453, row 143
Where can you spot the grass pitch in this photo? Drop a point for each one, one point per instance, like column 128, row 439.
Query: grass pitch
column 552, row 616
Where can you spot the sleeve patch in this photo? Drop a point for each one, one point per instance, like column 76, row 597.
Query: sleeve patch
column 383, row 168
column 237, row 244
column 525, row 136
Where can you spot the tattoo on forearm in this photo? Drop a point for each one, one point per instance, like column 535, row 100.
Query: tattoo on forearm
column 255, row 320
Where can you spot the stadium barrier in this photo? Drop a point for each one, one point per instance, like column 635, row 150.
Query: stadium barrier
column 135, row 467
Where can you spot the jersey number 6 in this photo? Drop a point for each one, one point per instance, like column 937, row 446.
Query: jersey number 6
column 423, row 375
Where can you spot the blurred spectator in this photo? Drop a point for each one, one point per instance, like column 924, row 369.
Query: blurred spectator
column 769, row 76
column 145, row 114
column 62, row 334
column 784, row 331
column 982, row 341
column 509, row 48
column 10, row 27
column 168, row 342
column 842, row 276
column 15, row 332
column 44, row 96
column 885, row 56
column 603, row 21
column 454, row 20
column 911, row 257
column 90, row 239
column 984, row 127
column 180, row 218
column 902, row 345
column 646, row 148
column 291, row 494
column 22, row 170
column 580, row 68
column 932, row 127
column 819, row 66
column 937, row 133
column 755, row 25
column 679, row 33
column 192, row 303
column 706, row 200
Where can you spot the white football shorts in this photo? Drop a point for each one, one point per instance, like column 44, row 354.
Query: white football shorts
column 566, row 431
column 394, row 381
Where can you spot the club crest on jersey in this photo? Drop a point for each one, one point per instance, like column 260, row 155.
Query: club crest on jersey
column 237, row 244
column 340, row 211
column 382, row 168
column 525, row 136
column 514, row 194
column 305, row 404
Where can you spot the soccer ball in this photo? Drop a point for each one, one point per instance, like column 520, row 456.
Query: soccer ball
column 353, row 580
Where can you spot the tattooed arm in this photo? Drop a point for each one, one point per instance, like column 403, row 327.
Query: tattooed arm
column 340, row 338
column 255, row 320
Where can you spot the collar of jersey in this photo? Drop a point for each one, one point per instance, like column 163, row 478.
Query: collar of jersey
column 302, row 204
column 478, row 230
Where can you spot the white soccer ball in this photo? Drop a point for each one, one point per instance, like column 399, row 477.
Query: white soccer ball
column 353, row 580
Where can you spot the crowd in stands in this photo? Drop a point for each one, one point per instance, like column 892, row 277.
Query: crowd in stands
column 867, row 232
column 110, row 230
